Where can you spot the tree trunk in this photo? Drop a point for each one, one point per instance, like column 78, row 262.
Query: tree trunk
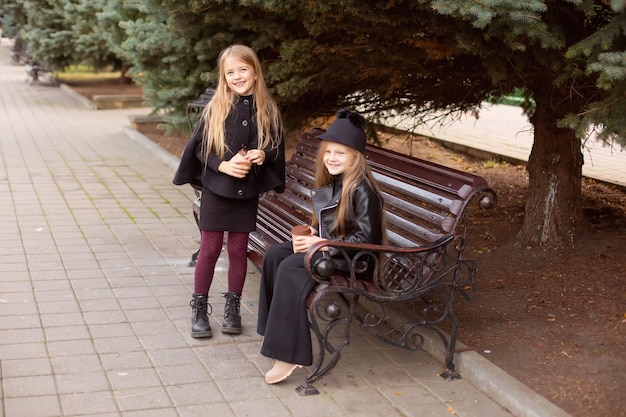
column 554, row 213
column 124, row 79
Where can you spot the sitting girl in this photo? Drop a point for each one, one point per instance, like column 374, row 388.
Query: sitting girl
column 347, row 207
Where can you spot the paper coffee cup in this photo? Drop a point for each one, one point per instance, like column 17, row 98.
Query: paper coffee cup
column 300, row 230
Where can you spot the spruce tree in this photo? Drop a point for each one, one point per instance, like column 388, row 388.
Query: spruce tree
column 12, row 18
column 69, row 32
column 47, row 33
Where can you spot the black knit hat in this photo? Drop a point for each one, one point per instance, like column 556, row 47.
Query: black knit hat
column 347, row 129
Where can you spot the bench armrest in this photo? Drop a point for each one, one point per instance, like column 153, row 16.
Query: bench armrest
column 398, row 271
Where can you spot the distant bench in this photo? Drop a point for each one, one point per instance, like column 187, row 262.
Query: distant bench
column 35, row 72
column 419, row 273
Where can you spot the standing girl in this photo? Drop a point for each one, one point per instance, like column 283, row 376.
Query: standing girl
column 235, row 153
column 347, row 207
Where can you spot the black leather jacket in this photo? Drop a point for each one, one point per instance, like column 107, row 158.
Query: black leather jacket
column 240, row 131
column 368, row 212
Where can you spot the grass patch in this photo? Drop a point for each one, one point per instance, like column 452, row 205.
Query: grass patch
column 515, row 99
column 83, row 73
column 494, row 163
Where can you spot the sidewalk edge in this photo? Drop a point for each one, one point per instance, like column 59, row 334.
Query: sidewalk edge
column 167, row 158
column 81, row 99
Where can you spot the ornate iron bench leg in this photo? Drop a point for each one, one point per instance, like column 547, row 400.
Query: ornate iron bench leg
column 450, row 373
column 194, row 259
column 307, row 389
column 196, row 216
column 330, row 311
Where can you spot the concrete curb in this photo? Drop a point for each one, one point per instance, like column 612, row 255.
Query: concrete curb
column 504, row 389
column 167, row 158
column 81, row 99
column 117, row 101
column 105, row 101
column 1, row 392
column 492, row 381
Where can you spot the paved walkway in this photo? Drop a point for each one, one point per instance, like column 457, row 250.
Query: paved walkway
column 95, row 291
column 504, row 132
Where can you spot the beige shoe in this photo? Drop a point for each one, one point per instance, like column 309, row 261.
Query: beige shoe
column 280, row 371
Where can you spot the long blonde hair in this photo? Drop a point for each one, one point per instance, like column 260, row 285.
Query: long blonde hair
column 358, row 172
column 268, row 118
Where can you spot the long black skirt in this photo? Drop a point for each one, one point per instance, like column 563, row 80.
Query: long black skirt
column 283, row 319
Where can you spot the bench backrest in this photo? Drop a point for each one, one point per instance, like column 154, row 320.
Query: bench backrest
column 423, row 201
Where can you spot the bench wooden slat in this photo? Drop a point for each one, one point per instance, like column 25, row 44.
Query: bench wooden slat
column 295, row 187
column 400, row 205
column 444, row 178
column 427, row 197
column 282, row 211
column 419, row 234
column 299, row 176
column 303, row 162
column 296, row 202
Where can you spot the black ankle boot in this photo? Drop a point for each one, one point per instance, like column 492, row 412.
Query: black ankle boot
column 200, row 311
column 232, row 317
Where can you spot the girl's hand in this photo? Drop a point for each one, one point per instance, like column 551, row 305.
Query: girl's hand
column 303, row 243
column 238, row 166
column 255, row 156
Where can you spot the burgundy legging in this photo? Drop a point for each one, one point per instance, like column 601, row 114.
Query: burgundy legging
column 210, row 248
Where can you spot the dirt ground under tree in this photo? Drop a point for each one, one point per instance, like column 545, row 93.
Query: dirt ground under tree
column 555, row 320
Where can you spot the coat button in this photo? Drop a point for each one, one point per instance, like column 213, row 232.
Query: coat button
column 240, row 193
column 244, row 122
column 246, row 102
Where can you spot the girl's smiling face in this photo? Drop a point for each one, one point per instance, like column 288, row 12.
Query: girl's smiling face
column 239, row 76
column 338, row 158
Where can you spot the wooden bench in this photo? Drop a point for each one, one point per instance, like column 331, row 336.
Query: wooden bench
column 419, row 273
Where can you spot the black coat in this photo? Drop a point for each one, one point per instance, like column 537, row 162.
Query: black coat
column 240, row 133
